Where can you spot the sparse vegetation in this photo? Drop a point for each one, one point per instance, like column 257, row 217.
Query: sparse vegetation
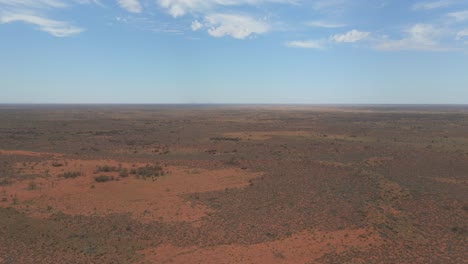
column 106, row 168
column 147, row 171
column 56, row 164
column 292, row 193
column 103, row 178
column 4, row 182
column 70, row 175
column 123, row 173
column 225, row 138
column 232, row 162
column 32, row 186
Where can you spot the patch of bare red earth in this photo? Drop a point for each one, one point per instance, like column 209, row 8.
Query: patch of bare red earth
column 154, row 199
column 303, row 247
column 162, row 199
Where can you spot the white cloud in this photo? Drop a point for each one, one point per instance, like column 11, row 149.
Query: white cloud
column 196, row 25
column 53, row 27
column 307, row 44
column 351, row 36
column 42, row 4
column 132, row 6
column 236, row 26
column 324, row 24
column 424, row 37
column 97, row 2
column 177, row 8
column 462, row 34
column 459, row 16
column 428, row 5
column 34, row 3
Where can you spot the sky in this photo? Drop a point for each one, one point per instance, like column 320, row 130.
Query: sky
column 234, row 51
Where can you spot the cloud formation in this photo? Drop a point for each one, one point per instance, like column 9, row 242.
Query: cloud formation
column 324, row 24
column 236, row 26
column 178, row 8
column 424, row 37
column 34, row 3
column 132, row 6
column 307, row 44
column 36, row 12
column 459, row 16
column 321, row 28
column 196, row 25
column 350, row 36
column 429, row 5
column 462, row 34
column 53, row 27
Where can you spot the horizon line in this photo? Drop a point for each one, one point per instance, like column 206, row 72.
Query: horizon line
column 249, row 104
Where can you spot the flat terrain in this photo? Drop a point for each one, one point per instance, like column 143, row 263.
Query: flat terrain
column 233, row 184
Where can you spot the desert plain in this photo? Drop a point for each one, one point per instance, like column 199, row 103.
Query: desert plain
column 233, row 184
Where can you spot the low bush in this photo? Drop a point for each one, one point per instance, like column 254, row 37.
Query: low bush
column 103, row 178
column 106, row 168
column 123, row 173
column 56, row 164
column 70, row 175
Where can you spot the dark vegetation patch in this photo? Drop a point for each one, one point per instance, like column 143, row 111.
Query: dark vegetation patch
column 147, row 171
column 70, row 174
column 106, row 168
column 225, row 139
column 103, row 178
column 5, row 182
column 57, row 164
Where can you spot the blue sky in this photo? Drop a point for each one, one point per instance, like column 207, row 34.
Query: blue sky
column 233, row 51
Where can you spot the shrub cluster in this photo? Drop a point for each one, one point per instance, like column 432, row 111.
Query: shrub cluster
column 70, row 174
column 147, row 171
column 103, row 178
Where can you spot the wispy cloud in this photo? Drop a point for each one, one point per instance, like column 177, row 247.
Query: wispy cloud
column 178, row 8
column 236, row 26
column 53, row 27
column 462, row 34
column 219, row 24
column 307, row 44
column 351, row 36
column 34, row 3
column 429, row 5
column 132, row 6
column 423, row 37
column 324, row 24
column 35, row 12
column 459, row 16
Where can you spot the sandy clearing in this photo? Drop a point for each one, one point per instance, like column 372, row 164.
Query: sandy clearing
column 28, row 153
column 447, row 180
column 154, row 199
column 303, row 247
column 267, row 135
